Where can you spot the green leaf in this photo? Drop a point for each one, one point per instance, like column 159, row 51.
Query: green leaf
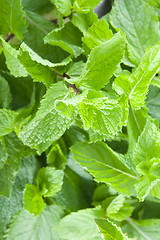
column 41, row 227
column 9, row 207
column 106, row 166
column 49, row 181
column 57, row 156
column 37, row 6
column 84, row 21
column 64, row 6
column 3, row 153
column 33, row 201
column 13, row 64
column 101, row 114
column 7, row 121
column 77, row 189
column 147, row 185
column 40, row 69
column 148, row 145
column 80, row 225
column 68, row 38
column 153, row 100
column 102, row 63
column 97, row 34
column 135, row 124
column 119, row 209
column 11, row 19
column 5, row 96
column 48, row 125
column 8, row 173
column 109, row 230
column 147, row 229
column 136, row 85
column 85, row 4
column 139, row 23
column 146, row 156
column 38, row 27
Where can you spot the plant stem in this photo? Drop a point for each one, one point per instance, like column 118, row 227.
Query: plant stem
column 71, row 85
column 9, row 37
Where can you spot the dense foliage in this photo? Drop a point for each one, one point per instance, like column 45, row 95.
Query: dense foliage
column 79, row 120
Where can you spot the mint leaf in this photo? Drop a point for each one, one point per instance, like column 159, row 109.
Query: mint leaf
column 64, row 38
column 136, row 85
column 11, row 19
column 83, row 22
column 40, row 69
column 135, row 124
column 33, row 201
column 64, row 6
column 49, row 181
column 139, row 23
column 119, row 209
column 142, row 229
column 101, row 114
column 14, row 149
column 13, row 64
column 7, row 121
column 153, row 102
column 10, row 206
column 84, row 4
column 48, row 125
column 3, row 153
column 5, row 96
column 105, row 165
column 109, row 230
column 147, row 159
column 102, row 63
column 80, row 225
column 38, row 227
column 97, row 34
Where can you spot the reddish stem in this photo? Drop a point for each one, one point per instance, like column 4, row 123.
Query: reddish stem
column 71, row 85
column 9, row 37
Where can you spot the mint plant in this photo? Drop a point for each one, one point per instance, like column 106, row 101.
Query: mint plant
column 79, row 120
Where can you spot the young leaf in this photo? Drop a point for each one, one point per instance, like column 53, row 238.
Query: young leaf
column 119, row 209
column 101, row 114
column 148, row 145
column 11, row 18
column 85, row 4
column 146, row 156
column 48, row 125
column 33, row 201
column 84, row 21
column 102, row 63
column 41, row 227
column 68, row 38
column 136, row 85
column 64, row 6
column 138, row 21
column 97, row 34
column 105, row 165
column 49, row 181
